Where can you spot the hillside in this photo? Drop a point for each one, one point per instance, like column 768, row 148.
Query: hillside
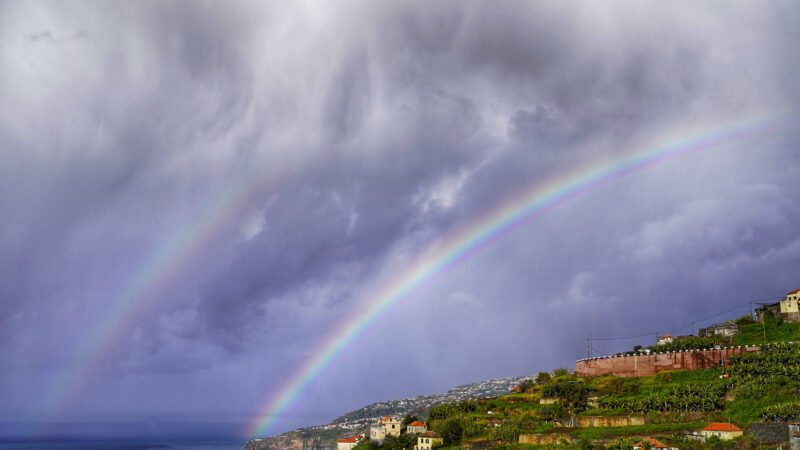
column 562, row 410
column 756, row 392
column 324, row 436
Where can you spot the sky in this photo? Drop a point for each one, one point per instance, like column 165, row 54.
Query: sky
column 196, row 196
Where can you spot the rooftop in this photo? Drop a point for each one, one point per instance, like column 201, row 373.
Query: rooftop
column 717, row 426
column 651, row 442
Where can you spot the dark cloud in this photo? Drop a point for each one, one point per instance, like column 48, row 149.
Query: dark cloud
column 261, row 171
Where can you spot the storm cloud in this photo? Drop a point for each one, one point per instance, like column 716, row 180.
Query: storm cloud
column 249, row 174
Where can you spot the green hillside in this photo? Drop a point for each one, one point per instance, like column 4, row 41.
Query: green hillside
column 773, row 330
column 760, row 387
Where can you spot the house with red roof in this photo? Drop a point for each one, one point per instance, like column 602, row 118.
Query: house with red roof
column 386, row 426
column 665, row 338
column 393, row 425
column 653, row 443
column 416, row 427
column 346, row 443
column 724, row 431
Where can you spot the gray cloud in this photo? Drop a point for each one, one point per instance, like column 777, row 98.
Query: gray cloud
column 266, row 166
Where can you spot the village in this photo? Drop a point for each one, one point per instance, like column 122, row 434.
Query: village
column 642, row 362
column 393, row 426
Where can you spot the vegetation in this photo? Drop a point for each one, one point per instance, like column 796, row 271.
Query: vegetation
column 690, row 343
column 637, row 430
column 543, row 378
column 772, row 330
column 756, row 386
column 572, row 394
column 789, row 411
column 684, row 398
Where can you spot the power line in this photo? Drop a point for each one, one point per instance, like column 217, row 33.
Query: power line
column 598, row 351
column 590, row 349
column 715, row 315
column 623, row 338
column 748, row 304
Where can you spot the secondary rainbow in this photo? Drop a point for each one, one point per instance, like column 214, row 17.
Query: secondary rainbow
column 148, row 286
column 465, row 241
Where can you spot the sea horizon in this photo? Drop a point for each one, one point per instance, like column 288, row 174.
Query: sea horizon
column 122, row 444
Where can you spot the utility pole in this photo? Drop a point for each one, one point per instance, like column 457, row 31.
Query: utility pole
column 589, row 346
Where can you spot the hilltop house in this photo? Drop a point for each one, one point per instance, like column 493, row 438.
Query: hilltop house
column 724, row 431
column 788, row 308
column 428, row 440
column 416, row 427
column 725, row 329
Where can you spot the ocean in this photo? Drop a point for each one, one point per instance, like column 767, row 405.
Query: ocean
column 125, row 445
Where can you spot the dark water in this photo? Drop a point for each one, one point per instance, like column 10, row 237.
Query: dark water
column 125, row 445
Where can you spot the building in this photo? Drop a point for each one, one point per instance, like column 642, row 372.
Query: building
column 386, row 426
column 429, row 440
column 773, row 309
column 393, row 425
column 649, row 442
column 724, row 431
column 416, row 427
column 666, row 338
column 377, row 433
column 790, row 306
column 725, row 329
column 346, row 443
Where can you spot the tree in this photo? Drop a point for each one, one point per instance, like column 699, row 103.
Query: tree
column 551, row 412
column 408, row 419
column 366, row 445
column 451, row 431
column 560, row 372
column 405, row 441
column 525, row 385
column 543, row 378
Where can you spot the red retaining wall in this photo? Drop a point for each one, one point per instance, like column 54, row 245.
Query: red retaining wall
column 646, row 365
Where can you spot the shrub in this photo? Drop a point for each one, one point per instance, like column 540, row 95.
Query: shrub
column 560, row 372
column 782, row 412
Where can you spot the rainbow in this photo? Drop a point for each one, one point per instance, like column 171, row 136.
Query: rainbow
column 465, row 241
column 146, row 287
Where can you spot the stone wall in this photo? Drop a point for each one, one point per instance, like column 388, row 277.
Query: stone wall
column 646, row 365
column 544, row 438
column 610, row 421
column 769, row 432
